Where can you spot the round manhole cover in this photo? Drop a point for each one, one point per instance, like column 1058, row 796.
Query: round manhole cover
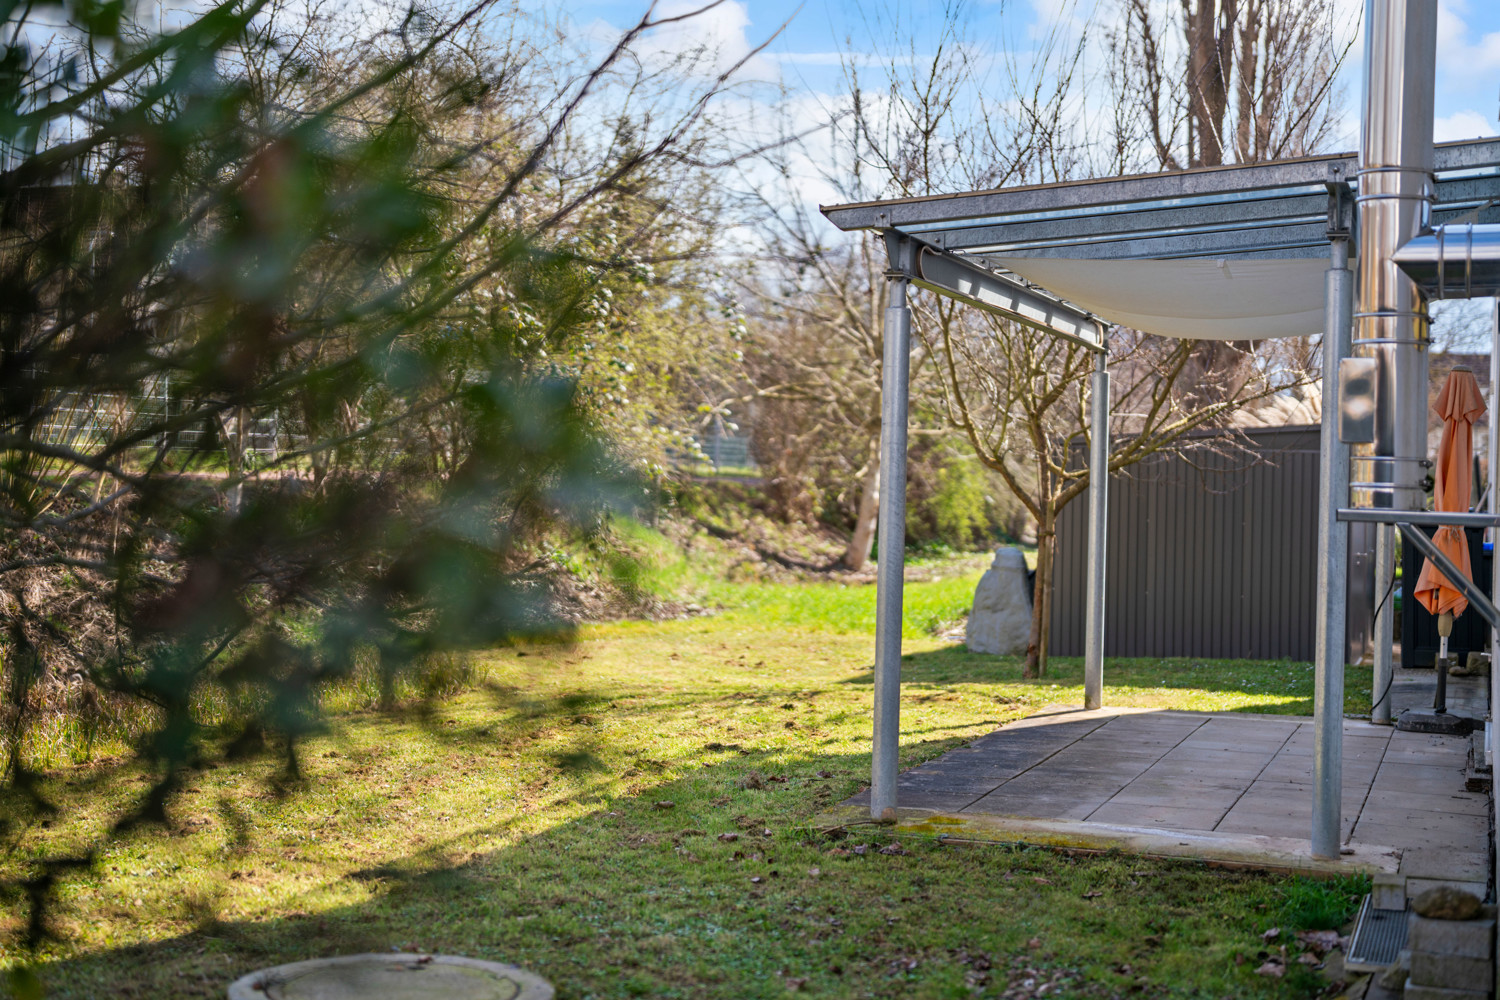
column 391, row 977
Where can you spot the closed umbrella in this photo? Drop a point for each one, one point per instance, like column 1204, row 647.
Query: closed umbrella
column 1458, row 405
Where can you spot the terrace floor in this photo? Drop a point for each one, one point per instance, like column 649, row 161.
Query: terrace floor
column 1227, row 787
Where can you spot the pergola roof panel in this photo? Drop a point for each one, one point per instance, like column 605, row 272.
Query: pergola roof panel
column 1133, row 250
column 1266, row 210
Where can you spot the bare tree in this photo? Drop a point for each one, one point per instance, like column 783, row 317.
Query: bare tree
column 948, row 118
column 1253, row 81
column 1201, row 83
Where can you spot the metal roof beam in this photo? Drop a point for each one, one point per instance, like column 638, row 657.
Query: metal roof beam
column 1161, row 222
column 951, row 276
column 1306, row 240
column 1212, row 188
column 1466, row 155
column 1206, row 184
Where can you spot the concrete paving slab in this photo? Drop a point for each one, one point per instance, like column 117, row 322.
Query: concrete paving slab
column 1420, row 777
column 1432, row 863
column 1046, row 787
column 1232, row 850
column 1281, row 805
column 1191, row 766
column 1184, row 817
column 1443, row 837
column 1292, row 770
column 1149, row 790
column 1085, row 762
column 1232, row 788
column 1424, row 756
column 1238, row 736
column 1257, row 823
column 1353, row 747
column 1033, row 807
column 992, row 771
column 1386, row 802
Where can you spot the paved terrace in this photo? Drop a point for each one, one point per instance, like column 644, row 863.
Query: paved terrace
column 1224, row 787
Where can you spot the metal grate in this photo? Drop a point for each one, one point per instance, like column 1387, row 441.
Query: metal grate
column 1379, row 936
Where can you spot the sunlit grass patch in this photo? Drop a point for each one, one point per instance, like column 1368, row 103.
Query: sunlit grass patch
column 633, row 814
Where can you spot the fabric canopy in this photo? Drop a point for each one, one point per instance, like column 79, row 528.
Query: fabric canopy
column 1190, row 298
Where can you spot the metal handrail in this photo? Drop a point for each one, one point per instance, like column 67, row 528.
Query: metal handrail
column 1436, row 518
column 1455, row 576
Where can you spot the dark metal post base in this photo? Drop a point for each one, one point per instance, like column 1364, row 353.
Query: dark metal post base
column 1441, row 723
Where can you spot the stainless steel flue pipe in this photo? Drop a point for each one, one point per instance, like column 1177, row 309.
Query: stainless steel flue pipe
column 1395, row 183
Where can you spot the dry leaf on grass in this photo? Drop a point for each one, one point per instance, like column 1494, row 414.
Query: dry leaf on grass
column 1272, row 967
column 1321, row 941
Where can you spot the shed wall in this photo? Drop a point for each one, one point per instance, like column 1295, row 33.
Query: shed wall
column 1211, row 554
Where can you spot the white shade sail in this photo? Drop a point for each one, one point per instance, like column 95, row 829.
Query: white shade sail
column 1189, row 298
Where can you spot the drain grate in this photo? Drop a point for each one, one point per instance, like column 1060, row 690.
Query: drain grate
column 1379, row 936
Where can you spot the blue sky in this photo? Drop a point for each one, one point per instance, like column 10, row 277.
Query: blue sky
column 804, row 60
column 805, row 56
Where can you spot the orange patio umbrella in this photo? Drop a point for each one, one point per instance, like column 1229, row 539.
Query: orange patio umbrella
column 1458, row 406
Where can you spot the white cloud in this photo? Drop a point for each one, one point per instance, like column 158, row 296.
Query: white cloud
column 1461, row 52
column 710, row 43
column 1464, row 124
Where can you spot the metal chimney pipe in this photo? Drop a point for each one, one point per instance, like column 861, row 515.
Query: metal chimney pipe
column 1390, row 325
column 1395, row 184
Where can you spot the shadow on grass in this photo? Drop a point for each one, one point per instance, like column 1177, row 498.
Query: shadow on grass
column 1286, row 686
column 730, row 893
column 622, row 897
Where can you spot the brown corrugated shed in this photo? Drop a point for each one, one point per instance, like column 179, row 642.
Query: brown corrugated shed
column 1212, row 553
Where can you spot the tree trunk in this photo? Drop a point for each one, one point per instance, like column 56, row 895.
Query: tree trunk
column 1208, row 32
column 1041, row 603
column 858, row 552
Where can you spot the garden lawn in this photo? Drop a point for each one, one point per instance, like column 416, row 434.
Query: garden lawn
column 632, row 816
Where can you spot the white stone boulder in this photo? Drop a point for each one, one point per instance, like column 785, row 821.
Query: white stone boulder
column 1000, row 623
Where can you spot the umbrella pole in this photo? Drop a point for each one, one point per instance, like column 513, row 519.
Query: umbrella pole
column 1445, row 629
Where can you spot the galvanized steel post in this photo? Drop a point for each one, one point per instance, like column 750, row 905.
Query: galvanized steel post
column 891, row 532
column 1093, row 629
column 1385, row 618
column 1333, row 567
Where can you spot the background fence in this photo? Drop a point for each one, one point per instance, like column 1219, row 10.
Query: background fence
column 1212, row 554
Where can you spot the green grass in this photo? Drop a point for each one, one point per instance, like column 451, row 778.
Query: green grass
column 522, row 821
column 840, row 608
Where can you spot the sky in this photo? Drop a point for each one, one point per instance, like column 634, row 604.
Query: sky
column 803, row 61
column 805, row 56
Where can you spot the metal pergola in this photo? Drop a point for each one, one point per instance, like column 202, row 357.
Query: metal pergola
column 950, row 245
